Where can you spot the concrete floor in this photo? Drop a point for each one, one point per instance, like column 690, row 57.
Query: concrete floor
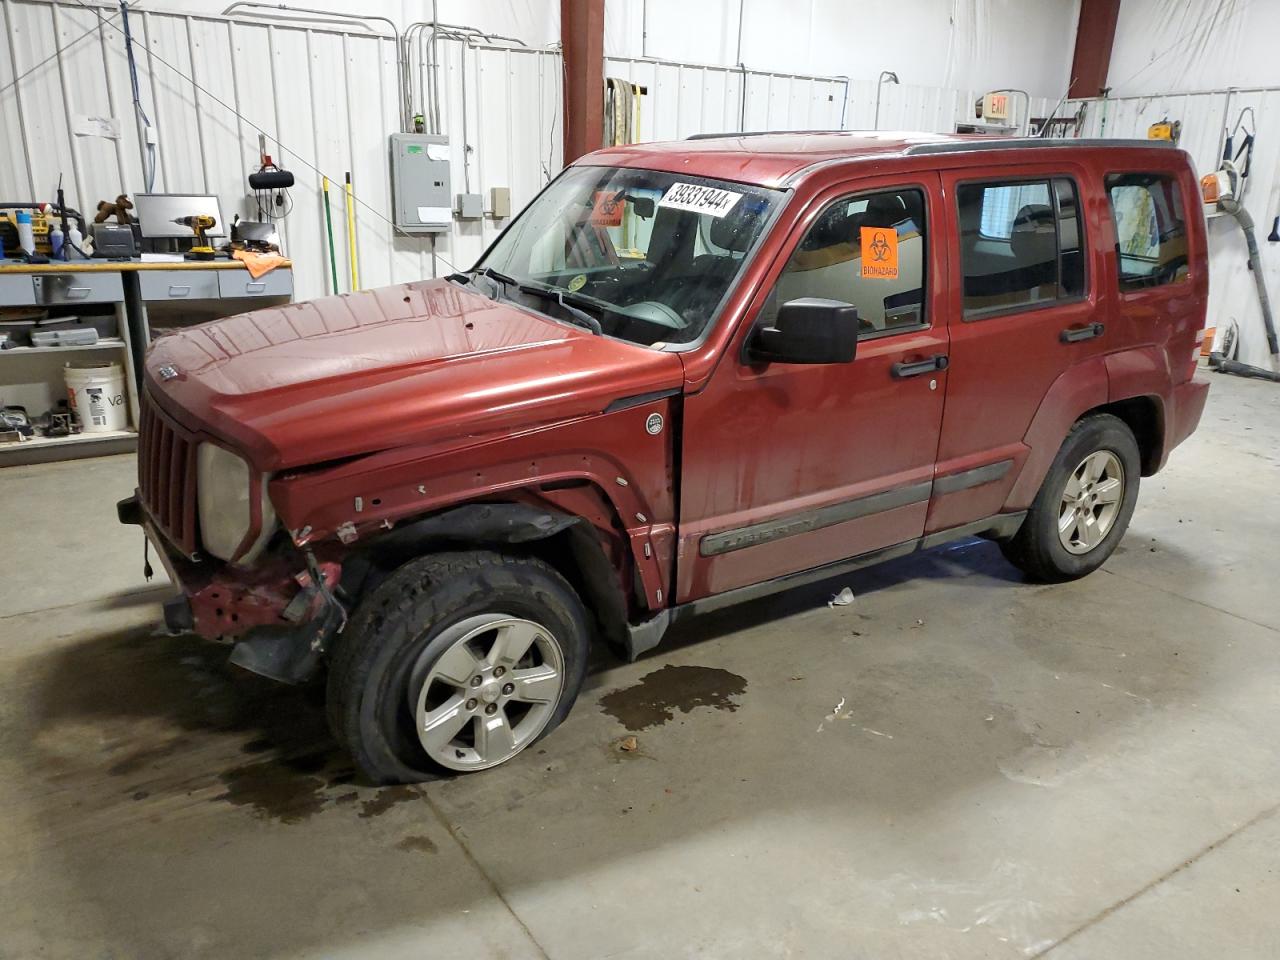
column 958, row 765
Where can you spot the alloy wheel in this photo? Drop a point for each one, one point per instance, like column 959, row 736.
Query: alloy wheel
column 489, row 694
column 1091, row 502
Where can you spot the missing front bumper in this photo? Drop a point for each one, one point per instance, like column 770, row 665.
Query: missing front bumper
column 223, row 601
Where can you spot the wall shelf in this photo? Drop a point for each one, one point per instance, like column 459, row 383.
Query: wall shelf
column 110, row 343
column 36, row 443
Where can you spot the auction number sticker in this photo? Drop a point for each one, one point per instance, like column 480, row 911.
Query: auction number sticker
column 693, row 196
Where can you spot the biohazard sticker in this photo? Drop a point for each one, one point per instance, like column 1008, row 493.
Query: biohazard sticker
column 606, row 208
column 879, row 253
column 693, row 196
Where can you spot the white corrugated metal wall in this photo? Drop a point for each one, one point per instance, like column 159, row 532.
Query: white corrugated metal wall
column 326, row 98
column 685, row 98
column 1204, row 116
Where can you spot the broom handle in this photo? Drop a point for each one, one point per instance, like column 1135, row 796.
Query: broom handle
column 351, row 236
column 328, row 227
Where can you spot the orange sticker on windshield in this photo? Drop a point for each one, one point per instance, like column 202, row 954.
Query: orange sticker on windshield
column 606, row 209
column 879, row 253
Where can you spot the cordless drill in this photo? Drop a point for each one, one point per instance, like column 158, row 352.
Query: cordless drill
column 199, row 223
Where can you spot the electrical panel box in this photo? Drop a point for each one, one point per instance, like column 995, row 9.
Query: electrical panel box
column 470, row 206
column 500, row 202
column 420, row 182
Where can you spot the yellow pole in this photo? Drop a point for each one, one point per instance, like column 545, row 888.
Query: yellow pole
column 351, row 236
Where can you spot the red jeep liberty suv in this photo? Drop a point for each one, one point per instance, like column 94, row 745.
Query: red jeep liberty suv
column 687, row 374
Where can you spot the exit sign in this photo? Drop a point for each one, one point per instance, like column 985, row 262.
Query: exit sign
column 995, row 106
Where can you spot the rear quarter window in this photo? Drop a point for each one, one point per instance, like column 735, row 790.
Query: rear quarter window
column 1151, row 229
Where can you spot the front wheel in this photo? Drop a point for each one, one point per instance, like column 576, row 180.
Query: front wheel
column 456, row 662
column 1084, row 505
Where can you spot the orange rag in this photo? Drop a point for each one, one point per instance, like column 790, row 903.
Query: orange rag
column 259, row 263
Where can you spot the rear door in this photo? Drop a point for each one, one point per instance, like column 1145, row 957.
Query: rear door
column 1023, row 310
column 786, row 467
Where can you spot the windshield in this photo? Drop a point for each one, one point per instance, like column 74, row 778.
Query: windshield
column 647, row 256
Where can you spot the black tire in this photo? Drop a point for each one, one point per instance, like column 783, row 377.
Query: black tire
column 1036, row 548
column 392, row 633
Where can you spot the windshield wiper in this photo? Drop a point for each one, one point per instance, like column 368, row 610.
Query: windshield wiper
column 501, row 279
column 577, row 316
column 580, row 317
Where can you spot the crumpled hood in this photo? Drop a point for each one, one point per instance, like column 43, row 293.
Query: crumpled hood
column 414, row 363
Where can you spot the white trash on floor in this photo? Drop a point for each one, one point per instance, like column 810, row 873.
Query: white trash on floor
column 842, row 599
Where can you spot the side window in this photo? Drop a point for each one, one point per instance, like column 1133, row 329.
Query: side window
column 1151, row 232
column 1000, row 206
column 868, row 251
column 1021, row 244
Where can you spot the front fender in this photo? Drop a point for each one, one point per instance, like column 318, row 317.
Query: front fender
column 617, row 454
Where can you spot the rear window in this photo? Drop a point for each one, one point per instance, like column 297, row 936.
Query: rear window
column 1151, row 231
column 1021, row 245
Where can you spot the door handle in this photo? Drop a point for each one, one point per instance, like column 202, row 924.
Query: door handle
column 917, row 367
column 1076, row 334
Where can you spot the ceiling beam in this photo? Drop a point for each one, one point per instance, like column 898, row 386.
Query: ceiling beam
column 582, row 41
column 1095, row 33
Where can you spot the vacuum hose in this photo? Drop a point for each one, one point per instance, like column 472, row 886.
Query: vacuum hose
column 1223, row 365
column 1237, row 210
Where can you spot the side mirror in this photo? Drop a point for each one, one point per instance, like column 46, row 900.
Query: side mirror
column 808, row 330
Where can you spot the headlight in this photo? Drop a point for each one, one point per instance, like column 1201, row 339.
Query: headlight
column 225, row 488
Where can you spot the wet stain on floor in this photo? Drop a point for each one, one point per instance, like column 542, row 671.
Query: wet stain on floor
column 655, row 699
column 274, row 792
column 139, row 760
column 417, row 844
column 294, row 789
column 385, row 799
column 170, row 718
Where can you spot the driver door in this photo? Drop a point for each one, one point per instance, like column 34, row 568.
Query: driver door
column 786, row 466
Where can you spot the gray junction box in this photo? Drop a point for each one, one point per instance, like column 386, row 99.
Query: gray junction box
column 420, row 182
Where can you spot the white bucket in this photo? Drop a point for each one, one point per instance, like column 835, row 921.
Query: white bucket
column 96, row 393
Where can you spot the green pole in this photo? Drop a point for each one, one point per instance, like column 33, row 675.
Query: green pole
column 328, row 226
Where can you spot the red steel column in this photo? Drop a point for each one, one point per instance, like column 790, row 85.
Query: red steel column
column 1095, row 32
column 582, row 40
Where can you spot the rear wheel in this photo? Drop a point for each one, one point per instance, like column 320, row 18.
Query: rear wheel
column 456, row 662
column 1084, row 505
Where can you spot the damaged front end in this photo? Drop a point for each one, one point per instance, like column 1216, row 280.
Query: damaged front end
column 281, row 611
column 206, row 511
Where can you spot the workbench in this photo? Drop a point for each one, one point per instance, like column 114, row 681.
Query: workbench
column 136, row 292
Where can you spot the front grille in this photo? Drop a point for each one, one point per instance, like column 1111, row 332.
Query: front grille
column 167, row 476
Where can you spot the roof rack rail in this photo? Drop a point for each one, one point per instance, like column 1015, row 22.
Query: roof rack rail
column 755, row 133
column 1027, row 143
